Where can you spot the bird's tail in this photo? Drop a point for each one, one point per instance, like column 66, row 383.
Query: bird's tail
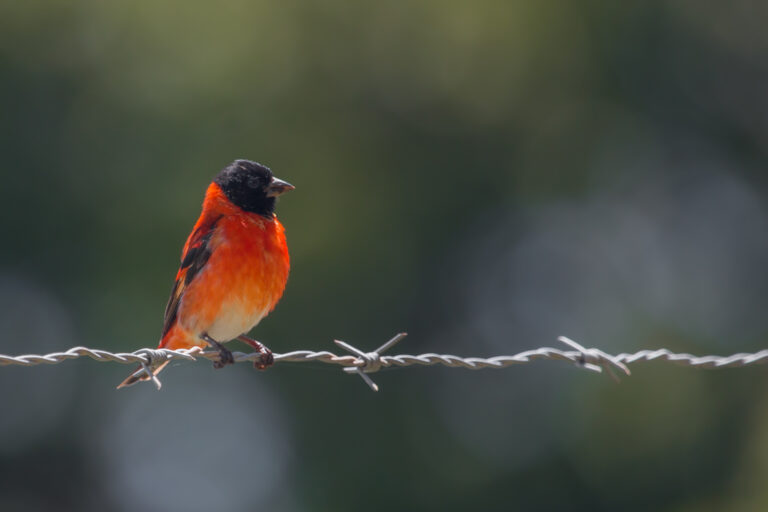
column 140, row 374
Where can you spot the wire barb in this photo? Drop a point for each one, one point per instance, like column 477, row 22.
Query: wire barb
column 596, row 360
column 363, row 363
column 370, row 362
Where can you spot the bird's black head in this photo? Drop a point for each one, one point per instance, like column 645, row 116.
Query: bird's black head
column 251, row 186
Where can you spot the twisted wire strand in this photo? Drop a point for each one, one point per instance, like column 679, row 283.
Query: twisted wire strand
column 364, row 363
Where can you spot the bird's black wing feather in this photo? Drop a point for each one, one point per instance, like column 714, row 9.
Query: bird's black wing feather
column 198, row 250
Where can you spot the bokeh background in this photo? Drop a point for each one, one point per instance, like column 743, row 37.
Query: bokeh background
column 485, row 175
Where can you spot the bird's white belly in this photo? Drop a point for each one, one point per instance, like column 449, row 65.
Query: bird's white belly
column 232, row 321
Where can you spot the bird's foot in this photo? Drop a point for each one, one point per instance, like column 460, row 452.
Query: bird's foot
column 225, row 358
column 225, row 355
column 266, row 360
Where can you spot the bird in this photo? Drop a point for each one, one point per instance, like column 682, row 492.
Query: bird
column 234, row 267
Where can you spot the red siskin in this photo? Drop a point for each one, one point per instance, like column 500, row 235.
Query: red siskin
column 234, row 266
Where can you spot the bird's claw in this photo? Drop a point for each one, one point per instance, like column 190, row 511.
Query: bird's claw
column 225, row 358
column 266, row 360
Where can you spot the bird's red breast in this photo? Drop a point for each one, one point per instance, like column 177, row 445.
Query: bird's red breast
column 234, row 269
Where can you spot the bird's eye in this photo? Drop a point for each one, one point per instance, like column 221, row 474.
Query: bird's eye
column 254, row 182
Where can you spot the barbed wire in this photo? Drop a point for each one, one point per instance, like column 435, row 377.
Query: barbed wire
column 363, row 363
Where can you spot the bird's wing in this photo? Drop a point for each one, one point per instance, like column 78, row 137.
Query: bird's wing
column 197, row 250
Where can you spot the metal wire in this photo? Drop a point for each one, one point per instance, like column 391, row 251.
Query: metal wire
column 362, row 363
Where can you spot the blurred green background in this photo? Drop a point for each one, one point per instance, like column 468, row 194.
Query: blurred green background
column 484, row 175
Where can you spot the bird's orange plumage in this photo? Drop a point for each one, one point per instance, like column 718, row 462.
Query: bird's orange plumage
column 243, row 278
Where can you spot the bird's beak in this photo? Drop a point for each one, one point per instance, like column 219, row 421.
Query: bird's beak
column 278, row 187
